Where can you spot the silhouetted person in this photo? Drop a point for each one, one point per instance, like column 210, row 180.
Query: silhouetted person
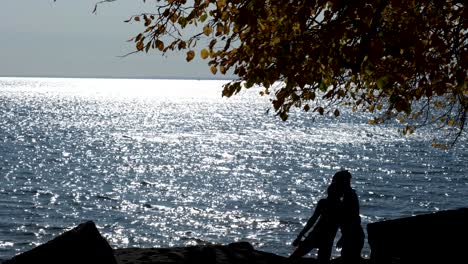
column 352, row 239
column 322, row 236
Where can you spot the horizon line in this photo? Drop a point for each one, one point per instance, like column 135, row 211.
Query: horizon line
column 122, row 77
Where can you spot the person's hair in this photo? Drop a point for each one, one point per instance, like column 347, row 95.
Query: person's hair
column 334, row 190
column 342, row 176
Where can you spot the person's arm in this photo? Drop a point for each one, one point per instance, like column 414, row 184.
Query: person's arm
column 355, row 205
column 309, row 224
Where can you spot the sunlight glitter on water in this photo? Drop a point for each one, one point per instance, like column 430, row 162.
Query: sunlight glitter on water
column 171, row 163
column 115, row 89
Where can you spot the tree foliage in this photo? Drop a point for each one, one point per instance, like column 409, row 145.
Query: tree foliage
column 399, row 59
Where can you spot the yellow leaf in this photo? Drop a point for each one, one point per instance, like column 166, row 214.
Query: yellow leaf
column 190, row 55
column 204, row 53
column 207, row 30
column 213, row 69
column 222, row 69
column 441, row 146
column 140, row 45
column 221, row 3
column 224, row 15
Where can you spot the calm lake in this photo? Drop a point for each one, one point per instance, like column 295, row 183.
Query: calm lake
column 161, row 163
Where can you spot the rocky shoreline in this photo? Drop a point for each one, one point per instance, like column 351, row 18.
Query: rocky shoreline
column 431, row 238
column 234, row 253
column 84, row 244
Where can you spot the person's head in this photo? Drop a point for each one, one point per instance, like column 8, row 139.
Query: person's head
column 342, row 178
column 334, row 192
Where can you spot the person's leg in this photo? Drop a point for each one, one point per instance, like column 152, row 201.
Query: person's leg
column 357, row 246
column 352, row 247
column 346, row 249
column 304, row 247
column 300, row 252
column 324, row 253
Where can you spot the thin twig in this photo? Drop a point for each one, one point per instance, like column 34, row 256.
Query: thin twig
column 98, row 3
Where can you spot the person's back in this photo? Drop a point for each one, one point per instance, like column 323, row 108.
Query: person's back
column 353, row 234
column 326, row 218
column 352, row 240
column 328, row 223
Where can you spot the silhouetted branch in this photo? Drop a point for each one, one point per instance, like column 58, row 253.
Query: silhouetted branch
column 98, row 3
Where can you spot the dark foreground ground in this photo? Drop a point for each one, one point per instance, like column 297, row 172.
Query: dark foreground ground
column 214, row 254
column 438, row 237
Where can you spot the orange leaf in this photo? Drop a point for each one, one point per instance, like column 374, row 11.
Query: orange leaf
column 190, row 55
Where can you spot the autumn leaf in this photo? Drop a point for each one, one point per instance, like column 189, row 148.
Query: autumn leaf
column 220, row 4
column 147, row 20
column 182, row 45
column 207, row 30
column 204, row 53
column 140, row 45
column 378, row 57
column 320, row 110
column 203, row 17
column 159, row 44
column 190, row 55
column 336, row 113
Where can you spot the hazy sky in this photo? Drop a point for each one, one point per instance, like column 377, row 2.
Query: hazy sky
column 64, row 38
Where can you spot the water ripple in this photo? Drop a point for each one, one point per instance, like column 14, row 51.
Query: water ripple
column 155, row 166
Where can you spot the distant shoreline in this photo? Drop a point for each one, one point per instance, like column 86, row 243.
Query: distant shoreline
column 127, row 77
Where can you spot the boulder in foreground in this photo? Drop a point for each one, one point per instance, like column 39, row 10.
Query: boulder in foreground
column 439, row 237
column 82, row 244
column 234, row 253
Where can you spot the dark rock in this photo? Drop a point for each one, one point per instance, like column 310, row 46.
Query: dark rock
column 439, row 237
column 339, row 260
column 83, row 244
column 241, row 245
column 235, row 253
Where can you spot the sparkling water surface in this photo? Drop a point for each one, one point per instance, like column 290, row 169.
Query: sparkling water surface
column 161, row 163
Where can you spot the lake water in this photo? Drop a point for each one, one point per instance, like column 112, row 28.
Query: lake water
column 161, row 163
